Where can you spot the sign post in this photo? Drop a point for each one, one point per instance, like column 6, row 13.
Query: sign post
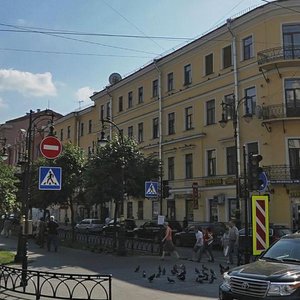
column 50, row 147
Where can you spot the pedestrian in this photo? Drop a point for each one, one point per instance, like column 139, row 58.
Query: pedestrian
column 42, row 229
column 225, row 242
column 208, row 243
column 52, row 234
column 184, row 223
column 7, row 227
column 233, row 236
column 168, row 245
column 198, row 247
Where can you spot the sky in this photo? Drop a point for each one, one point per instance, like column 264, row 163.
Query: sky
column 56, row 53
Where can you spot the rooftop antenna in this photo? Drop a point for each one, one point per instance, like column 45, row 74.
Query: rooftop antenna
column 48, row 104
column 79, row 103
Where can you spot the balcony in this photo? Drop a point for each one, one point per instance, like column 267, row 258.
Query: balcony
column 279, row 57
column 280, row 111
column 283, row 174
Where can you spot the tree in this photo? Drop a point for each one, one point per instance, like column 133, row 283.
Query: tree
column 118, row 168
column 8, row 188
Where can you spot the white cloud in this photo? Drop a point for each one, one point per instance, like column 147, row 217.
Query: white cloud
column 2, row 103
column 26, row 83
column 84, row 93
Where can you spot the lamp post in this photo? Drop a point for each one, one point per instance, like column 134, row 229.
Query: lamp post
column 27, row 189
column 230, row 111
column 102, row 142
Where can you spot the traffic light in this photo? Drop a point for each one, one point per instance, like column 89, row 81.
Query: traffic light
column 166, row 189
column 254, row 172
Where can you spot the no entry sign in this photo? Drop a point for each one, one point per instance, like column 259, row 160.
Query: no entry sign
column 50, row 147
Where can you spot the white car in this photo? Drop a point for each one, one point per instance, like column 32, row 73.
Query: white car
column 89, row 225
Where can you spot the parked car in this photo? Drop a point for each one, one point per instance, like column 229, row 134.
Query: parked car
column 89, row 225
column 128, row 225
column 275, row 275
column 152, row 230
column 187, row 237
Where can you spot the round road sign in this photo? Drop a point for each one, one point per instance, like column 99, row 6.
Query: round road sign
column 50, row 147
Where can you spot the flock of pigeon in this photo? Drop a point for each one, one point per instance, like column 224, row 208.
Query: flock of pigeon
column 204, row 275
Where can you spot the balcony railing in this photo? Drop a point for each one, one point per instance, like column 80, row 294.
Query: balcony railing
column 277, row 54
column 283, row 173
column 279, row 111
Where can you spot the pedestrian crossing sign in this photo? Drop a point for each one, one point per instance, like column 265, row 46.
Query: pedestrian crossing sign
column 50, row 178
column 151, row 189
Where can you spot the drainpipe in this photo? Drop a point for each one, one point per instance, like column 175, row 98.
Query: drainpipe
column 110, row 111
column 160, row 134
column 236, row 98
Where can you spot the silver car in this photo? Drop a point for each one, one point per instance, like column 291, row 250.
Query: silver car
column 89, row 225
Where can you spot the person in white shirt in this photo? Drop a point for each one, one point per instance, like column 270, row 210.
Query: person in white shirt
column 198, row 247
column 233, row 236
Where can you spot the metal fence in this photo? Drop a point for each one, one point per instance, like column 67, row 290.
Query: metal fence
column 106, row 243
column 56, row 285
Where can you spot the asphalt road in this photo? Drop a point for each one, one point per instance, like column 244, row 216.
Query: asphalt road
column 127, row 284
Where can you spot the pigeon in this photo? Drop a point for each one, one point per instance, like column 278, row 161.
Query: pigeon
column 181, row 276
column 164, row 271
column 144, row 274
column 170, row 280
column 212, row 278
column 204, row 268
column 212, row 272
column 197, row 271
column 150, row 278
column 159, row 269
column 137, row 269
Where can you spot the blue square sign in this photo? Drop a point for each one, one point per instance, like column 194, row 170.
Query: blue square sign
column 50, row 178
column 151, row 189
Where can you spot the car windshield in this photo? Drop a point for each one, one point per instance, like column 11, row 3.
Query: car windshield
column 284, row 250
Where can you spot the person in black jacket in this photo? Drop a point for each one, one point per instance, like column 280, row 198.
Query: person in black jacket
column 52, row 234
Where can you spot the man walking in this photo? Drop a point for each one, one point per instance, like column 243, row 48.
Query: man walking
column 198, row 247
column 233, row 235
column 52, row 234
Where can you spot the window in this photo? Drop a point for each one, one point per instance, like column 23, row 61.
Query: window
column 81, row 129
column 210, row 112
column 170, row 82
column 227, row 57
column 292, row 97
column 250, row 101
column 130, row 99
column 155, row 88
column 188, row 118
column 171, row 168
column 171, row 123
column 140, row 132
column 140, row 212
column 155, row 128
column 61, row 134
column 90, row 126
column 108, row 110
column 69, row 132
column 294, row 158
column 187, row 74
column 189, row 166
column 247, row 48
column 211, row 163
column 130, row 132
column 129, row 210
column 141, row 95
column 102, row 112
column 229, row 106
column 209, row 64
column 231, row 160
column 120, row 103
column 291, row 41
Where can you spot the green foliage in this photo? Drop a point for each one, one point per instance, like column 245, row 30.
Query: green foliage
column 6, row 257
column 8, row 188
column 115, row 164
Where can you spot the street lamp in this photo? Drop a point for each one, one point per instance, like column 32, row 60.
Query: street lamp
column 27, row 189
column 102, row 142
column 230, row 111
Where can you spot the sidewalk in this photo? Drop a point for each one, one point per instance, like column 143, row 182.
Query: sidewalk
column 126, row 284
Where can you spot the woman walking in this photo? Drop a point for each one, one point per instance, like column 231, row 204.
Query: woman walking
column 168, row 245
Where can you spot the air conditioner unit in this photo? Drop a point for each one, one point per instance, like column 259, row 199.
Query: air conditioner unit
column 221, row 199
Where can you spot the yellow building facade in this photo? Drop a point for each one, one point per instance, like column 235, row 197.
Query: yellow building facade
column 173, row 106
